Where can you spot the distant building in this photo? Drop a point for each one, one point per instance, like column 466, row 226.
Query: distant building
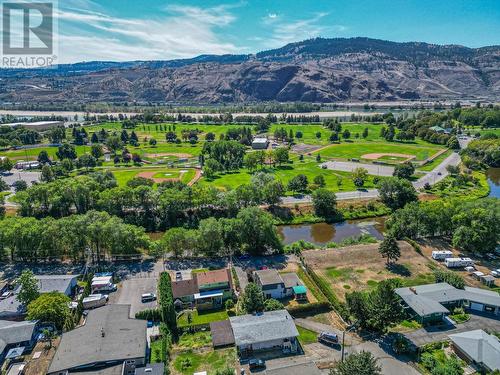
column 260, row 143
column 271, row 330
column 109, row 342
column 479, row 348
column 39, row 125
column 27, row 165
column 431, row 302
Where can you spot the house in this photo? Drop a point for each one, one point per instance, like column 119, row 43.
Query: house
column 294, row 286
column 214, row 288
column 183, row 293
column 27, row 165
column 431, row 302
column 260, row 143
column 65, row 284
column 16, row 335
column 205, row 290
column 479, row 348
column 270, row 282
column 222, row 333
column 271, row 330
column 109, row 340
column 151, row 369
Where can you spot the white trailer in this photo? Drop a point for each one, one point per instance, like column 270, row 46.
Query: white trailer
column 94, row 300
column 458, row 262
column 103, row 284
column 441, row 254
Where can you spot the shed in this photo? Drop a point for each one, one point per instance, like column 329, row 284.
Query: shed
column 300, row 292
column 488, row 280
column 222, row 333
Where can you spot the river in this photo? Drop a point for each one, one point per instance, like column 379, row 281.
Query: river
column 322, row 233
column 493, row 175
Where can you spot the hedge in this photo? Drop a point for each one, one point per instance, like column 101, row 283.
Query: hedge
column 166, row 302
column 415, row 245
column 306, row 309
column 149, row 314
column 325, row 288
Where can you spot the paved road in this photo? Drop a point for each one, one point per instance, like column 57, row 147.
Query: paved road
column 349, row 166
column 432, row 177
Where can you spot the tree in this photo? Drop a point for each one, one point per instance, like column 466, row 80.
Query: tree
column 298, row 183
column 298, row 134
column 6, row 165
column 20, row 185
column 404, row 170
column 272, row 305
column 114, row 143
column 365, row 133
column 43, row 157
column 96, row 151
column 450, row 277
column 324, row 203
column 389, row 249
column 319, row 180
column 86, row 161
column 47, row 173
column 94, row 138
column 346, row 134
column 253, row 299
column 178, row 241
column 258, row 233
column 359, row 176
column 396, row 193
column 29, row 290
column 318, row 135
column 52, row 308
column 453, row 169
column 334, row 137
column 210, row 237
column 139, row 181
column 3, row 185
column 280, row 155
column 66, row 151
column 152, row 142
column 453, row 143
column 210, row 137
column 362, row 363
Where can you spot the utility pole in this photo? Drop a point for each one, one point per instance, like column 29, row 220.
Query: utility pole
column 349, row 329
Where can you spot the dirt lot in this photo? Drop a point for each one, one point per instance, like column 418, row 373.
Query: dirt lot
column 41, row 365
column 361, row 267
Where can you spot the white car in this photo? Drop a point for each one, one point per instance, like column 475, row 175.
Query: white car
column 495, row 273
column 148, row 297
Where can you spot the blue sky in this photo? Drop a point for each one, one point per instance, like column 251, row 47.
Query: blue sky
column 157, row 29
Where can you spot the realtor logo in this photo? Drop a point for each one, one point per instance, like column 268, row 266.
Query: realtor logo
column 28, row 34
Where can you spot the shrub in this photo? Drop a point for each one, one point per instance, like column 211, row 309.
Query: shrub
column 149, row 314
column 166, row 301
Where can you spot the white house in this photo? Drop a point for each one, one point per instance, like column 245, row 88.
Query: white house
column 271, row 283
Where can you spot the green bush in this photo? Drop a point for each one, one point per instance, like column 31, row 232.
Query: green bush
column 450, row 277
column 305, row 309
column 166, row 302
column 149, row 314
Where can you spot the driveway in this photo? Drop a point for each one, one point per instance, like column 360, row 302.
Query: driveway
column 348, row 166
column 429, row 335
column 133, row 285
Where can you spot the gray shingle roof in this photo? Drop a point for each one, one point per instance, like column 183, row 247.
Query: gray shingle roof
column 15, row 332
column 308, row 368
column 291, row 279
column 271, row 325
column 427, row 299
column 55, row 283
column 124, row 338
column 152, row 369
column 269, row 277
column 479, row 346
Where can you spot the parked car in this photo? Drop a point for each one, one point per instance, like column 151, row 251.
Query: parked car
column 5, row 295
column 178, row 276
column 255, row 363
column 328, row 338
column 148, row 297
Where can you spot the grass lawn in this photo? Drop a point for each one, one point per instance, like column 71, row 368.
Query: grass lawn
column 194, row 340
column 156, row 352
column 285, row 173
column 433, row 164
column 32, row 153
column 188, row 362
column 358, row 149
column 306, row 336
column 202, row 317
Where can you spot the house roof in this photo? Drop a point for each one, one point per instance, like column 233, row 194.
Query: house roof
column 15, row 332
column 300, row 289
column 151, row 369
column 108, row 335
column 260, row 140
column 308, row 368
column 184, row 288
column 269, row 277
column 213, row 277
column 11, row 307
column 267, row 326
column 222, row 333
column 55, row 283
column 427, row 299
column 291, row 279
column 480, row 347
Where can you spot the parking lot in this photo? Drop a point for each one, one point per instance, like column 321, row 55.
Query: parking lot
column 133, row 286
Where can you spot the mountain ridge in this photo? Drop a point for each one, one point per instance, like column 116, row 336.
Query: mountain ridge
column 314, row 70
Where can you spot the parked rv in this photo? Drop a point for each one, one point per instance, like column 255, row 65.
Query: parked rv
column 441, row 254
column 458, row 262
column 94, row 300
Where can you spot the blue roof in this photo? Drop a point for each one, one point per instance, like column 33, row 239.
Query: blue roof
column 299, row 289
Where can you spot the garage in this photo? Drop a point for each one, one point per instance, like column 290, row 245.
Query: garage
column 476, row 306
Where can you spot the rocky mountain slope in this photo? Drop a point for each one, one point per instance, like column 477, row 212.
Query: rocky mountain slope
column 316, row 70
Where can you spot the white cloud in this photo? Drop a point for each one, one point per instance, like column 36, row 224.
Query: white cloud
column 177, row 32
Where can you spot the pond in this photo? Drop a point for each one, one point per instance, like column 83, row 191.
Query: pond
column 322, row 233
column 493, row 175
